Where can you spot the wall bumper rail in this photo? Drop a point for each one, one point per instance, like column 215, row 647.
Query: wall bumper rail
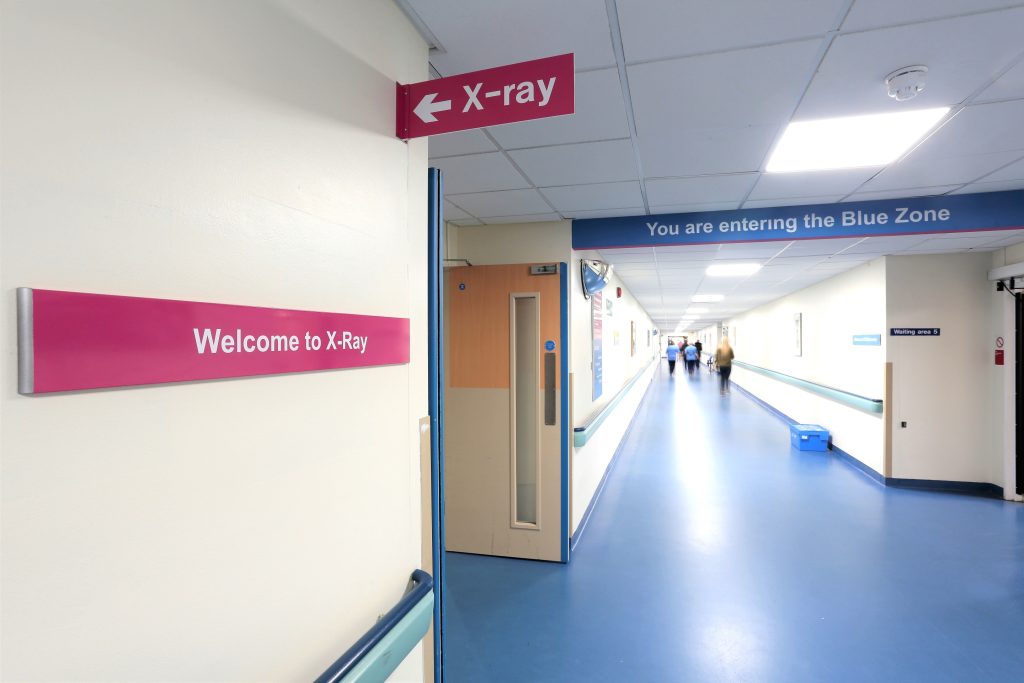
column 868, row 405
column 383, row 647
column 581, row 435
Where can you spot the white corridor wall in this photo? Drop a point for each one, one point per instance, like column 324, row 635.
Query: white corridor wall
column 235, row 152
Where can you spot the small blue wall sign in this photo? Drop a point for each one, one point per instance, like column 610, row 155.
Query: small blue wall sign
column 549, row 345
column 914, row 331
column 867, row 340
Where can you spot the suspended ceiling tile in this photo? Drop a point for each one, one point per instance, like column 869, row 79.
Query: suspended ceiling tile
column 798, row 261
column 750, row 250
column 607, row 213
column 823, row 247
column 1001, row 186
column 880, row 13
column 682, row 191
column 598, row 196
column 481, row 35
column 531, row 218
column 958, row 242
column 579, row 164
column 1014, row 237
column 904, row 193
column 458, row 144
column 671, row 209
column 600, row 115
column 792, row 201
column 1009, row 86
column 466, row 222
column 979, row 129
column 811, row 184
column 685, row 250
column 755, row 87
column 503, row 203
column 633, row 252
column 944, row 171
column 881, row 246
column 1014, row 171
column 672, row 152
column 656, row 29
column 961, row 54
column 453, row 212
column 479, row 173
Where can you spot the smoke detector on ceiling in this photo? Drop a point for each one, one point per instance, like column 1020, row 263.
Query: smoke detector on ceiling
column 904, row 84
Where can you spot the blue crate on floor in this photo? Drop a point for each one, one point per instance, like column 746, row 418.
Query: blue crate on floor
column 808, row 437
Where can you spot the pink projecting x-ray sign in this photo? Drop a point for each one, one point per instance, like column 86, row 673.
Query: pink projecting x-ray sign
column 71, row 341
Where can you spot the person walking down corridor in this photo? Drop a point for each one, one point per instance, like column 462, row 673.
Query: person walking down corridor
column 690, row 353
column 723, row 358
column 672, row 352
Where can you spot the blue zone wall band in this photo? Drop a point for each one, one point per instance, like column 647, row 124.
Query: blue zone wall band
column 919, row 215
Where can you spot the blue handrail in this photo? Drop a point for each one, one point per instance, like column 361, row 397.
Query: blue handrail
column 869, row 405
column 582, row 434
column 421, row 584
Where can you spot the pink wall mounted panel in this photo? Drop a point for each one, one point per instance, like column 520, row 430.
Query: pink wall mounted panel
column 72, row 341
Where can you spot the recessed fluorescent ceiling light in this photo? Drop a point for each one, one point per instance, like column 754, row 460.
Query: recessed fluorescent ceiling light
column 733, row 269
column 707, row 298
column 697, row 309
column 851, row 141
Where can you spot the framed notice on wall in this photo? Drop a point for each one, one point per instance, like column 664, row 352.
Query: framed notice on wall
column 632, row 337
column 597, row 340
column 798, row 329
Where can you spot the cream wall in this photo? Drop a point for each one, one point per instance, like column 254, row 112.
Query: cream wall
column 943, row 386
column 521, row 243
column 239, row 152
column 832, row 312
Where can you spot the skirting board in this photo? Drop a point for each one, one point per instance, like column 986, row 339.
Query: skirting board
column 969, row 488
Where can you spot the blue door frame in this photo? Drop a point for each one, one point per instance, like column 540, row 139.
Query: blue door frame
column 435, row 370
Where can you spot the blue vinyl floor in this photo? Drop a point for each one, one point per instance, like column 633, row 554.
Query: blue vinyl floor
column 717, row 553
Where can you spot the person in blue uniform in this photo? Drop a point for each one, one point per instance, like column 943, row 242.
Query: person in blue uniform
column 672, row 352
column 690, row 353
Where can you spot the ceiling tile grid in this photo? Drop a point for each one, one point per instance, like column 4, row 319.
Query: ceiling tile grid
column 578, row 164
column 482, row 35
column 659, row 29
column 502, row 203
column 681, row 191
column 709, row 88
column 597, row 196
column 479, row 173
column 962, row 54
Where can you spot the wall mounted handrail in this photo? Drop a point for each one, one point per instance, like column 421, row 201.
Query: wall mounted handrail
column 421, row 585
column 582, row 434
column 869, row 405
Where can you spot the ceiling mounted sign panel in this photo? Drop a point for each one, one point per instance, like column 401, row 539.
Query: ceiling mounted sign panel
column 915, row 216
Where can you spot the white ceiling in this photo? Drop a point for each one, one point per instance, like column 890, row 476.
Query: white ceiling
column 679, row 102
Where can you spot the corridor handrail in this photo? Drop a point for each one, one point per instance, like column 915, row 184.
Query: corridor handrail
column 870, row 405
column 421, row 585
column 582, row 434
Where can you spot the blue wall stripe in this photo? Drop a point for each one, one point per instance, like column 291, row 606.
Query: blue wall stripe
column 563, row 281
